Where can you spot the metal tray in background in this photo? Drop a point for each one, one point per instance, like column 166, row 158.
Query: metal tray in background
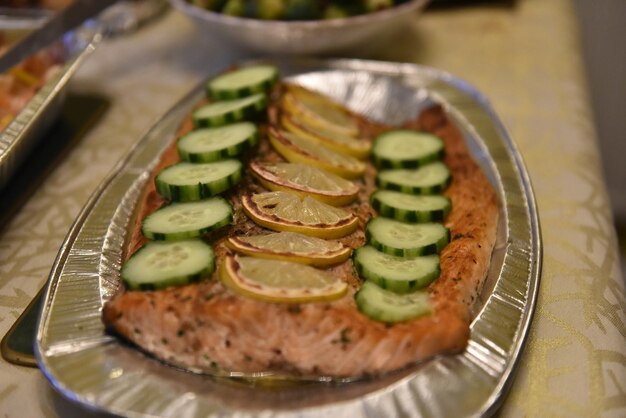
column 28, row 127
column 93, row 368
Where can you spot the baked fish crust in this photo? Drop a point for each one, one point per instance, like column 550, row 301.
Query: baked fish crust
column 206, row 327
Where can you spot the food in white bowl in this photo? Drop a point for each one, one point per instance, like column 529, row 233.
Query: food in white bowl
column 295, row 9
column 348, row 35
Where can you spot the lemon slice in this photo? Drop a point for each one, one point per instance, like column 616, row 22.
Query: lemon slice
column 305, row 180
column 283, row 211
column 290, row 246
column 336, row 141
column 299, row 150
column 279, row 281
column 319, row 110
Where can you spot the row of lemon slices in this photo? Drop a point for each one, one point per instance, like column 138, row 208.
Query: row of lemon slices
column 319, row 141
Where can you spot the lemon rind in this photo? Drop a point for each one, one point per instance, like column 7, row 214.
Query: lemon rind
column 232, row 280
column 275, row 183
column 327, row 231
column 291, row 102
column 314, row 259
column 297, row 155
column 361, row 148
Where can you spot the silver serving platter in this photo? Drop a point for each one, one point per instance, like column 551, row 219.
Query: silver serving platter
column 93, row 368
column 26, row 129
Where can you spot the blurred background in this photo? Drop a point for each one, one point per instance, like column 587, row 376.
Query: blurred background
column 603, row 31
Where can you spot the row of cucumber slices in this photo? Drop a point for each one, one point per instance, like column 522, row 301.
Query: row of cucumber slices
column 401, row 256
column 222, row 132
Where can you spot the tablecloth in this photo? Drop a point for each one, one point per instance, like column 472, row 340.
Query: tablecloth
column 525, row 56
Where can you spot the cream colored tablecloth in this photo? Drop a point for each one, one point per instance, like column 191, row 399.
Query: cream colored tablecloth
column 526, row 59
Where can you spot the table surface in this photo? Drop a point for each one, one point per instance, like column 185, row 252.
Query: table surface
column 525, row 58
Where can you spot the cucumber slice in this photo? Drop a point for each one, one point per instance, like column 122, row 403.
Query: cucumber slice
column 229, row 111
column 386, row 306
column 185, row 182
column 406, row 240
column 243, row 82
column 398, row 274
column 410, row 208
column 429, row 179
column 187, row 220
column 212, row 144
column 160, row 264
column 403, row 148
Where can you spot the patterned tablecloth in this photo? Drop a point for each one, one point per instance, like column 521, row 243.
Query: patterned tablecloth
column 525, row 58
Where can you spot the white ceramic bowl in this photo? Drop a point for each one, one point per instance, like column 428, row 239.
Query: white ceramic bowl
column 320, row 37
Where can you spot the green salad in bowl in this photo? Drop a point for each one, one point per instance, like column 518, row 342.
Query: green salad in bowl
column 295, row 9
column 302, row 27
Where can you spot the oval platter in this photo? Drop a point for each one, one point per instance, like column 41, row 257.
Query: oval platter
column 91, row 367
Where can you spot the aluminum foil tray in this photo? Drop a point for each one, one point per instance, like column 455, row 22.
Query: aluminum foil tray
column 27, row 128
column 93, row 368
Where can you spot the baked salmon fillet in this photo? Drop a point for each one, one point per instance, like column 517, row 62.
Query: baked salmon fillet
column 207, row 327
